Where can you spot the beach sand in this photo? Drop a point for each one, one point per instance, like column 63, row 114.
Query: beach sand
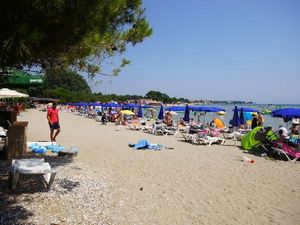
column 190, row 184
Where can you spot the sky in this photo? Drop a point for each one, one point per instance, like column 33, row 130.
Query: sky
column 245, row 50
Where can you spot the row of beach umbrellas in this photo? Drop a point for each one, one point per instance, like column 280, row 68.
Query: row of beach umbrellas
column 285, row 113
column 108, row 104
column 240, row 115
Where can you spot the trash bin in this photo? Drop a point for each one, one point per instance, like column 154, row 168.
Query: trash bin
column 16, row 140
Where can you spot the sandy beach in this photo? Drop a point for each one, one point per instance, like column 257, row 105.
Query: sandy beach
column 190, row 184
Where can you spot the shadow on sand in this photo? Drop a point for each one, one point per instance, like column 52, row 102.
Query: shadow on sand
column 11, row 209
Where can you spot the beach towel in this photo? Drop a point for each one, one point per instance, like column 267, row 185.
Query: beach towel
column 55, row 148
column 73, row 151
column 145, row 144
column 39, row 149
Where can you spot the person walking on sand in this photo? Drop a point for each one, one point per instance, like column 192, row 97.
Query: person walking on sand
column 53, row 119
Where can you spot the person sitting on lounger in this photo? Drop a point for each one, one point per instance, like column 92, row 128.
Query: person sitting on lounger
column 283, row 134
column 192, row 122
column 295, row 129
column 168, row 120
column 181, row 122
column 104, row 118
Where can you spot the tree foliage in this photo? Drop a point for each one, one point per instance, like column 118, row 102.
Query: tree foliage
column 67, row 79
column 79, row 34
column 158, row 96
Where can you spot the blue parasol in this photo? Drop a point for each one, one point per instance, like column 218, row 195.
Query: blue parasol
column 206, row 109
column 161, row 113
column 140, row 112
column 111, row 104
column 83, row 104
column 186, row 117
column 235, row 120
column 130, row 105
column 287, row 113
column 242, row 118
column 176, row 108
column 95, row 104
column 146, row 106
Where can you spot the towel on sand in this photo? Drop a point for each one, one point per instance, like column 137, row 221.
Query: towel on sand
column 145, row 144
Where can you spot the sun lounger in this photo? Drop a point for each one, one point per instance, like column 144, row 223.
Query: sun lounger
column 189, row 137
column 148, row 129
column 134, row 127
column 35, row 166
column 288, row 151
column 165, row 131
column 208, row 140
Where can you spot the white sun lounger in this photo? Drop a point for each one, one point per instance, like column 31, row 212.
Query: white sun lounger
column 208, row 140
column 35, row 166
column 189, row 137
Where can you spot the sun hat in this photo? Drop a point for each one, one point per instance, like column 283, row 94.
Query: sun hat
column 295, row 121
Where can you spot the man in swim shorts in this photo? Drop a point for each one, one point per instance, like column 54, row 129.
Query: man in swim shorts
column 53, row 119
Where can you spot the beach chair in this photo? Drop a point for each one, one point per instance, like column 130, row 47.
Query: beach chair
column 208, row 140
column 289, row 152
column 189, row 137
column 134, row 127
column 164, row 131
column 228, row 135
column 147, row 129
column 35, row 166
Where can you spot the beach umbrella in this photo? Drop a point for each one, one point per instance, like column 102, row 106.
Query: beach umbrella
column 82, row 104
column 140, row 112
column 161, row 113
column 130, row 105
column 176, row 108
column 186, row 117
column 242, row 118
column 235, row 120
column 287, row 113
column 95, row 104
column 8, row 93
column 127, row 112
column 147, row 107
column 206, row 109
column 111, row 104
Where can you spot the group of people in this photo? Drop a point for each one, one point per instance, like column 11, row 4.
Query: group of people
column 285, row 135
column 119, row 119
